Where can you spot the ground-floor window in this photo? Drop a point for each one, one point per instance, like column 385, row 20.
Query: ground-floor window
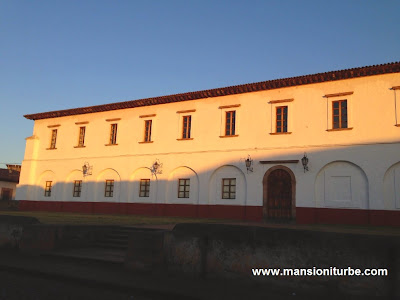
column 77, row 188
column 183, row 188
column 229, row 188
column 47, row 188
column 144, row 188
column 109, row 188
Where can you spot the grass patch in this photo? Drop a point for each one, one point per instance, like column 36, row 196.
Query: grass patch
column 99, row 219
column 132, row 220
column 363, row 229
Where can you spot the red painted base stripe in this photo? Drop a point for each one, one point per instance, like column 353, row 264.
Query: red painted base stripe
column 233, row 212
column 310, row 215
column 304, row 215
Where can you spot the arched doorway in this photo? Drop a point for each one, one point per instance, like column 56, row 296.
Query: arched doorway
column 279, row 191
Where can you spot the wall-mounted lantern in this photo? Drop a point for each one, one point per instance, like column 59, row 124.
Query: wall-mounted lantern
column 249, row 164
column 304, row 161
column 87, row 169
column 156, row 168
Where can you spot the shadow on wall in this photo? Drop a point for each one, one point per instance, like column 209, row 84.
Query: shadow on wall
column 343, row 185
column 143, row 194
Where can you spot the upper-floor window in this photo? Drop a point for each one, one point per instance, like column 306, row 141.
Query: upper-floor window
column 144, row 188
column 338, row 117
column 113, row 134
column 47, row 188
column 187, row 124
column 77, row 188
column 81, row 139
column 53, row 139
column 109, row 188
column 147, row 131
column 281, row 118
column 183, row 188
column 230, row 123
column 339, row 114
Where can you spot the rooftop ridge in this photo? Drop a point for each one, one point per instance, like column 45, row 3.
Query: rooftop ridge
column 387, row 68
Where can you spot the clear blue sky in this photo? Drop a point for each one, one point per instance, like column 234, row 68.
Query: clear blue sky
column 70, row 53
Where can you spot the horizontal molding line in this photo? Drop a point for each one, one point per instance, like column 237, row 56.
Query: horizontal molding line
column 81, row 123
column 214, row 151
column 111, row 120
column 32, row 137
column 340, row 129
column 185, row 111
column 281, row 101
column 53, row 126
column 293, row 161
column 279, row 133
column 229, row 106
column 338, row 94
column 147, row 116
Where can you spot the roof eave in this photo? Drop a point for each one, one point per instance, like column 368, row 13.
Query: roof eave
column 225, row 91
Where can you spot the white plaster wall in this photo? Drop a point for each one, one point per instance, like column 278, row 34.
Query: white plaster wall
column 392, row 187
column 308, row 111
column 341, row 184
column 364, row 157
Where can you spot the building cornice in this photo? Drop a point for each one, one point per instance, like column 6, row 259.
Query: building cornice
column 225, row 91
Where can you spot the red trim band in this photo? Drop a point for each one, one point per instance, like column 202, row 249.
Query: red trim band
column 233, row 212
column 310, row 215
column 304, row 215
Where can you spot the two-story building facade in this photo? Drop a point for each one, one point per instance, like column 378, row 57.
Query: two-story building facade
column 186, row 154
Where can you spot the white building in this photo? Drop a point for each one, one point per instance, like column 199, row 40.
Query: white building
column 347, row 122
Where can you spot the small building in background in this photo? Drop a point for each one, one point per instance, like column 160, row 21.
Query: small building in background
column 9, row 179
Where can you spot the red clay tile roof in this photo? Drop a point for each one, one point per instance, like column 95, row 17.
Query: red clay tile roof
column 9, row 175
column 230, row 90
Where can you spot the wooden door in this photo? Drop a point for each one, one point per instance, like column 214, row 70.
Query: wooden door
column 279, row 197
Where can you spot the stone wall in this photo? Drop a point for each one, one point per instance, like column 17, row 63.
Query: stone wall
column 11, row 229
column 213, row 251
